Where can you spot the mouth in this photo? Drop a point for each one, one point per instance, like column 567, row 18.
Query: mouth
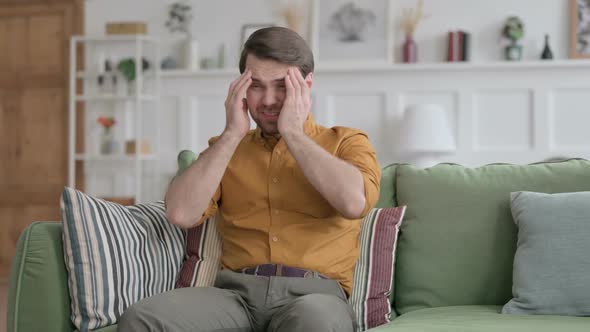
column 270, row 115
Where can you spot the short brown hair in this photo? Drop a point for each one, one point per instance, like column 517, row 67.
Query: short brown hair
column 279, row 44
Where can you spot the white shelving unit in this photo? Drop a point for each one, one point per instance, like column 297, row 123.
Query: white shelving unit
column 140, row 46
column 365, row 68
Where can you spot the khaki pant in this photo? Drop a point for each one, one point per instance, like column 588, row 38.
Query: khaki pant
column 248, row 303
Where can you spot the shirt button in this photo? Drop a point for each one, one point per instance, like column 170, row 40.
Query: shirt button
column 276, row 211
column 275, row 180
column 275, row 239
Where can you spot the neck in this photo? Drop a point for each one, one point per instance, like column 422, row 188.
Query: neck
column 277, row 136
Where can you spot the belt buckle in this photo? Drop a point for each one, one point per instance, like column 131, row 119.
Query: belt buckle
column 308, row 274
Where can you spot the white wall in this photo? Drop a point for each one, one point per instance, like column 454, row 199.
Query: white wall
column 220, row 21
column 500, row 112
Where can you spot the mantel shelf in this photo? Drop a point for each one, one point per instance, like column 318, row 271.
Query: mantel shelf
column 416, row 67
column 108, row 97
column 114, row 157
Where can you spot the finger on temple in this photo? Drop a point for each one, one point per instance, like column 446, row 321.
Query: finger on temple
column 290, row 87
column 295, row 81
column 243, row 85
column 237, row 81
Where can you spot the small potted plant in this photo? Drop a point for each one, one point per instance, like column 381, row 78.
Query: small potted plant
column 513, row 31
column 107, row 142
column 127, row 68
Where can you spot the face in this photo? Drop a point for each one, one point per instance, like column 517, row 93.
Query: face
column 267, row 93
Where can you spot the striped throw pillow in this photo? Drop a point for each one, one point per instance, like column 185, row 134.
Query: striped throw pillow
column 203, row 255
column 374, row 272
column 115, row 256
column 203, row 243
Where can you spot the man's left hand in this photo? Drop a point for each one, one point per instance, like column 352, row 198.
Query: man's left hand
column 297, row 104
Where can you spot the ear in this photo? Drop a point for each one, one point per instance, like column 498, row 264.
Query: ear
column 309, row 80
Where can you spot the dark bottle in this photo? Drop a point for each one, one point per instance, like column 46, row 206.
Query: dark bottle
column 547, row 54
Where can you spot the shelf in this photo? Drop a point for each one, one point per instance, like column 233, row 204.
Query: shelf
column 455, row 66
column 114, row 157
column 114, row 98
column 380, row 67
column 123, row 92
column 94, row 75
column 112, row 38
column 199, row 73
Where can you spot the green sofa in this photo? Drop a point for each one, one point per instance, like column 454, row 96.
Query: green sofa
column 453, row 262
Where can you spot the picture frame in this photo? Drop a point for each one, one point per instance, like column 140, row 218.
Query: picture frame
column 580, row 29
column 248, row 29
column 353, row 33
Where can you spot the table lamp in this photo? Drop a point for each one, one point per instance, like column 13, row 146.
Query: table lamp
column 425, row 134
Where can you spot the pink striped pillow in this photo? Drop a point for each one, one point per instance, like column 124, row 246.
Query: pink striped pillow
column 203, row 256
column 374, row 272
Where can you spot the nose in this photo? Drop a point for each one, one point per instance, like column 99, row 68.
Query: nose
column 269, row 98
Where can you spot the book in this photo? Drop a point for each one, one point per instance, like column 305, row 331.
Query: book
column 452, row 46
column 466, row 56
column 458, row 46
column 460, row 38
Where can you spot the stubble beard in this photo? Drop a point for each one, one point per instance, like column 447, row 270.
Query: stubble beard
column 268, row 128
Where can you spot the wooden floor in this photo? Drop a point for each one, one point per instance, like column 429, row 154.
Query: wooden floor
column 3, row 300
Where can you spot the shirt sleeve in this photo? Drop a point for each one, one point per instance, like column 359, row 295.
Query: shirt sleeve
column 359, row 152
column 213, row 206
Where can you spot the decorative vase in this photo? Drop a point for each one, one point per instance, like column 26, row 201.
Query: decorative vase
column 513, row 52
column 547, row 53
column 131, row 88
column 410, row 50
column 191, row 54
column 107, row 142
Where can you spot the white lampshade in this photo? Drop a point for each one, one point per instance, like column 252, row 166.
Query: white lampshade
column 425, row 128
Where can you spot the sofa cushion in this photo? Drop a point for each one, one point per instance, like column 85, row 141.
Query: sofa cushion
column 458, row 240
column 480, row 319
column 551, row 265
column 110, row 328
column 116, row 256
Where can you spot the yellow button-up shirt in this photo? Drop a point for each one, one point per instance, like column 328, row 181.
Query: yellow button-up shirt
column 270, row 213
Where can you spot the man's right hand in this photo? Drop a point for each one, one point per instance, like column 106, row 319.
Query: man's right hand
column 237, row 121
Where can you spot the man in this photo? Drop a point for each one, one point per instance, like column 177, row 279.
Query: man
column 290, row 196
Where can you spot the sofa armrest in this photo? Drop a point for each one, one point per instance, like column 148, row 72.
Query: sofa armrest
column 39, row 299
